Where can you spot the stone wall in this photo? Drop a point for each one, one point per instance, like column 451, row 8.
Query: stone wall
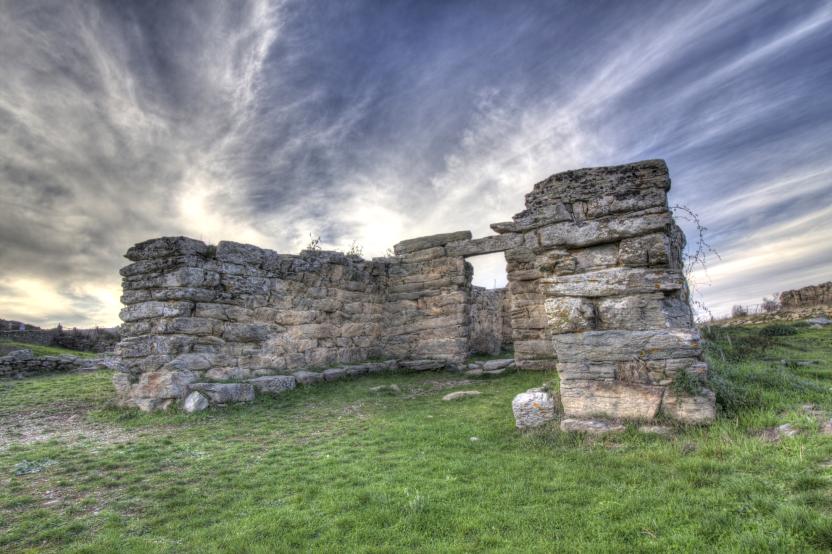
column 807, row 297
column 86, row 340
column 595, row 290
column 195, row 313
column 22, row 363
column 597, row 285
column 486, row 324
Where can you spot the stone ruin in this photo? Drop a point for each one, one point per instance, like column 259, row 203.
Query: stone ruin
column 596, row 290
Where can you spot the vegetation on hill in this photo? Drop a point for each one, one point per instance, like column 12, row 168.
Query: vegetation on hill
column 337, row 468
column 7, row 346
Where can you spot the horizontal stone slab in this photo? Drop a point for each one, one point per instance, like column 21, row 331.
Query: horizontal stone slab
column 589, row 233
column 615, row 281
column 599, row 346
column 166, row 246
column 223, row 393
column 423, row 243
column 154, row 308
column 590, row 426
column 484, row 245
column 585, row 399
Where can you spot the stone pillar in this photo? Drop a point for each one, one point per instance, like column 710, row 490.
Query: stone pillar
column 598, row 286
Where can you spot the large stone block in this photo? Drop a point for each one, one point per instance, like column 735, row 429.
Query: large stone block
column 569, row 314
column 699, row 408
column 590, row 233
column 614, row 281
column 423, row 243
column 224, row 393
column 166, row 246
column 655, row 344
column 586, row 399
column 151, row 309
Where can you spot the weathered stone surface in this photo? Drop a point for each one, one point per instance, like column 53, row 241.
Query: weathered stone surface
column 590, row 233
column 586, row 399
column 224, row 393
column 460, row 394
column 491, row 365
column 166, row 246
column 569, row 314
column 421, row 365
column 617, row 345
column 484, row 245
column 661, row 430
column 308, row 377
column 807, row 297
column 590, row 426
column 155, row 309
column 273, row 384
column 195, row 402
column 334, row 374
column 423, row 243
column 533, row 408
column 690, row 409
column 614, row 281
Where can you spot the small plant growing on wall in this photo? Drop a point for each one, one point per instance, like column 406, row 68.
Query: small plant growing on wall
column 355, row 249
column 314, row 243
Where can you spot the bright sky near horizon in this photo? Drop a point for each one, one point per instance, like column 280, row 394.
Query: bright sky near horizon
column 367, row 121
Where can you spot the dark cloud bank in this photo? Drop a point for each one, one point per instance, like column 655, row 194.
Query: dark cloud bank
column 376, row 121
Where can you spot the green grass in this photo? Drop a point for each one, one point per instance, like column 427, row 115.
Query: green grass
column 334, row 468
column 39, row 350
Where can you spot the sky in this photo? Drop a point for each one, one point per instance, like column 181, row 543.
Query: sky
column 270, row 122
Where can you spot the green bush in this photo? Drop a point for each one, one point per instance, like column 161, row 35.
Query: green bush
column 778, row 330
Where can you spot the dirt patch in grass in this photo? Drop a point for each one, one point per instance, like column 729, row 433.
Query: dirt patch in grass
column 67, row 426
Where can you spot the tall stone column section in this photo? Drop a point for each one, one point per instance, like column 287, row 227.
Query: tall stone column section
column 599, row 286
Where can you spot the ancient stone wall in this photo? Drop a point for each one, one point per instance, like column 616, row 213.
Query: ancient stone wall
column 22, row 363
column 195, row 313
column 597, row 285
column 807, row 297
column 486, row 324
column 595, row 290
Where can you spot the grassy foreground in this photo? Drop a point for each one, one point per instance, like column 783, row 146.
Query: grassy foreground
column 335, row 468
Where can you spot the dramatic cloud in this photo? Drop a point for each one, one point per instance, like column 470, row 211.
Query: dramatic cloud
column 266, row 122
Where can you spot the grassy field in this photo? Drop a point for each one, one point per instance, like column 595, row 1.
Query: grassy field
column 7, row 346
column 335, row 468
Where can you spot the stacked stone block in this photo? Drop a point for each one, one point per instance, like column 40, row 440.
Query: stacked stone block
column 601, row 281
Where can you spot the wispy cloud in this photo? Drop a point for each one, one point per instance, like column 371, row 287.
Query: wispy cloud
column 269, row 121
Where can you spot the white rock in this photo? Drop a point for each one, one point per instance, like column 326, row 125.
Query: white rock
column 533, row 408
column 195, row 402
column 461, row 394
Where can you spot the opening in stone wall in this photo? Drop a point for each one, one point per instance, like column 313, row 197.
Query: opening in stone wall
column 490, row 321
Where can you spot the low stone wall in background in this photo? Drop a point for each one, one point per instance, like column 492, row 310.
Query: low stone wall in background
column 22, row 363
column 807, row 297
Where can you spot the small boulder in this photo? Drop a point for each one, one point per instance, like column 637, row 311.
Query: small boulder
column 307, row 377
column 458, row 395
column 533, row 408
column 393, row 389
column 222, row 393
column 422, row 365
column 335, row 374
column 195, row 402
column 492, row 365
column 474, row 373
column 273, row 384
column 590, row 426
column 776, row 433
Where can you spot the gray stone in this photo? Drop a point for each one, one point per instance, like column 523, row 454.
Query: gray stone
column 590, row 426
column 195, row 402
column 459, row 395
column 533, row 408
column 421, row 365
column 585, row 399
column 224, row 393
column 308, row 377
column 273, row 384
column 334, row 374
column 423, row 243
column 491, row 365
column 661, row 430
column 395, row 389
